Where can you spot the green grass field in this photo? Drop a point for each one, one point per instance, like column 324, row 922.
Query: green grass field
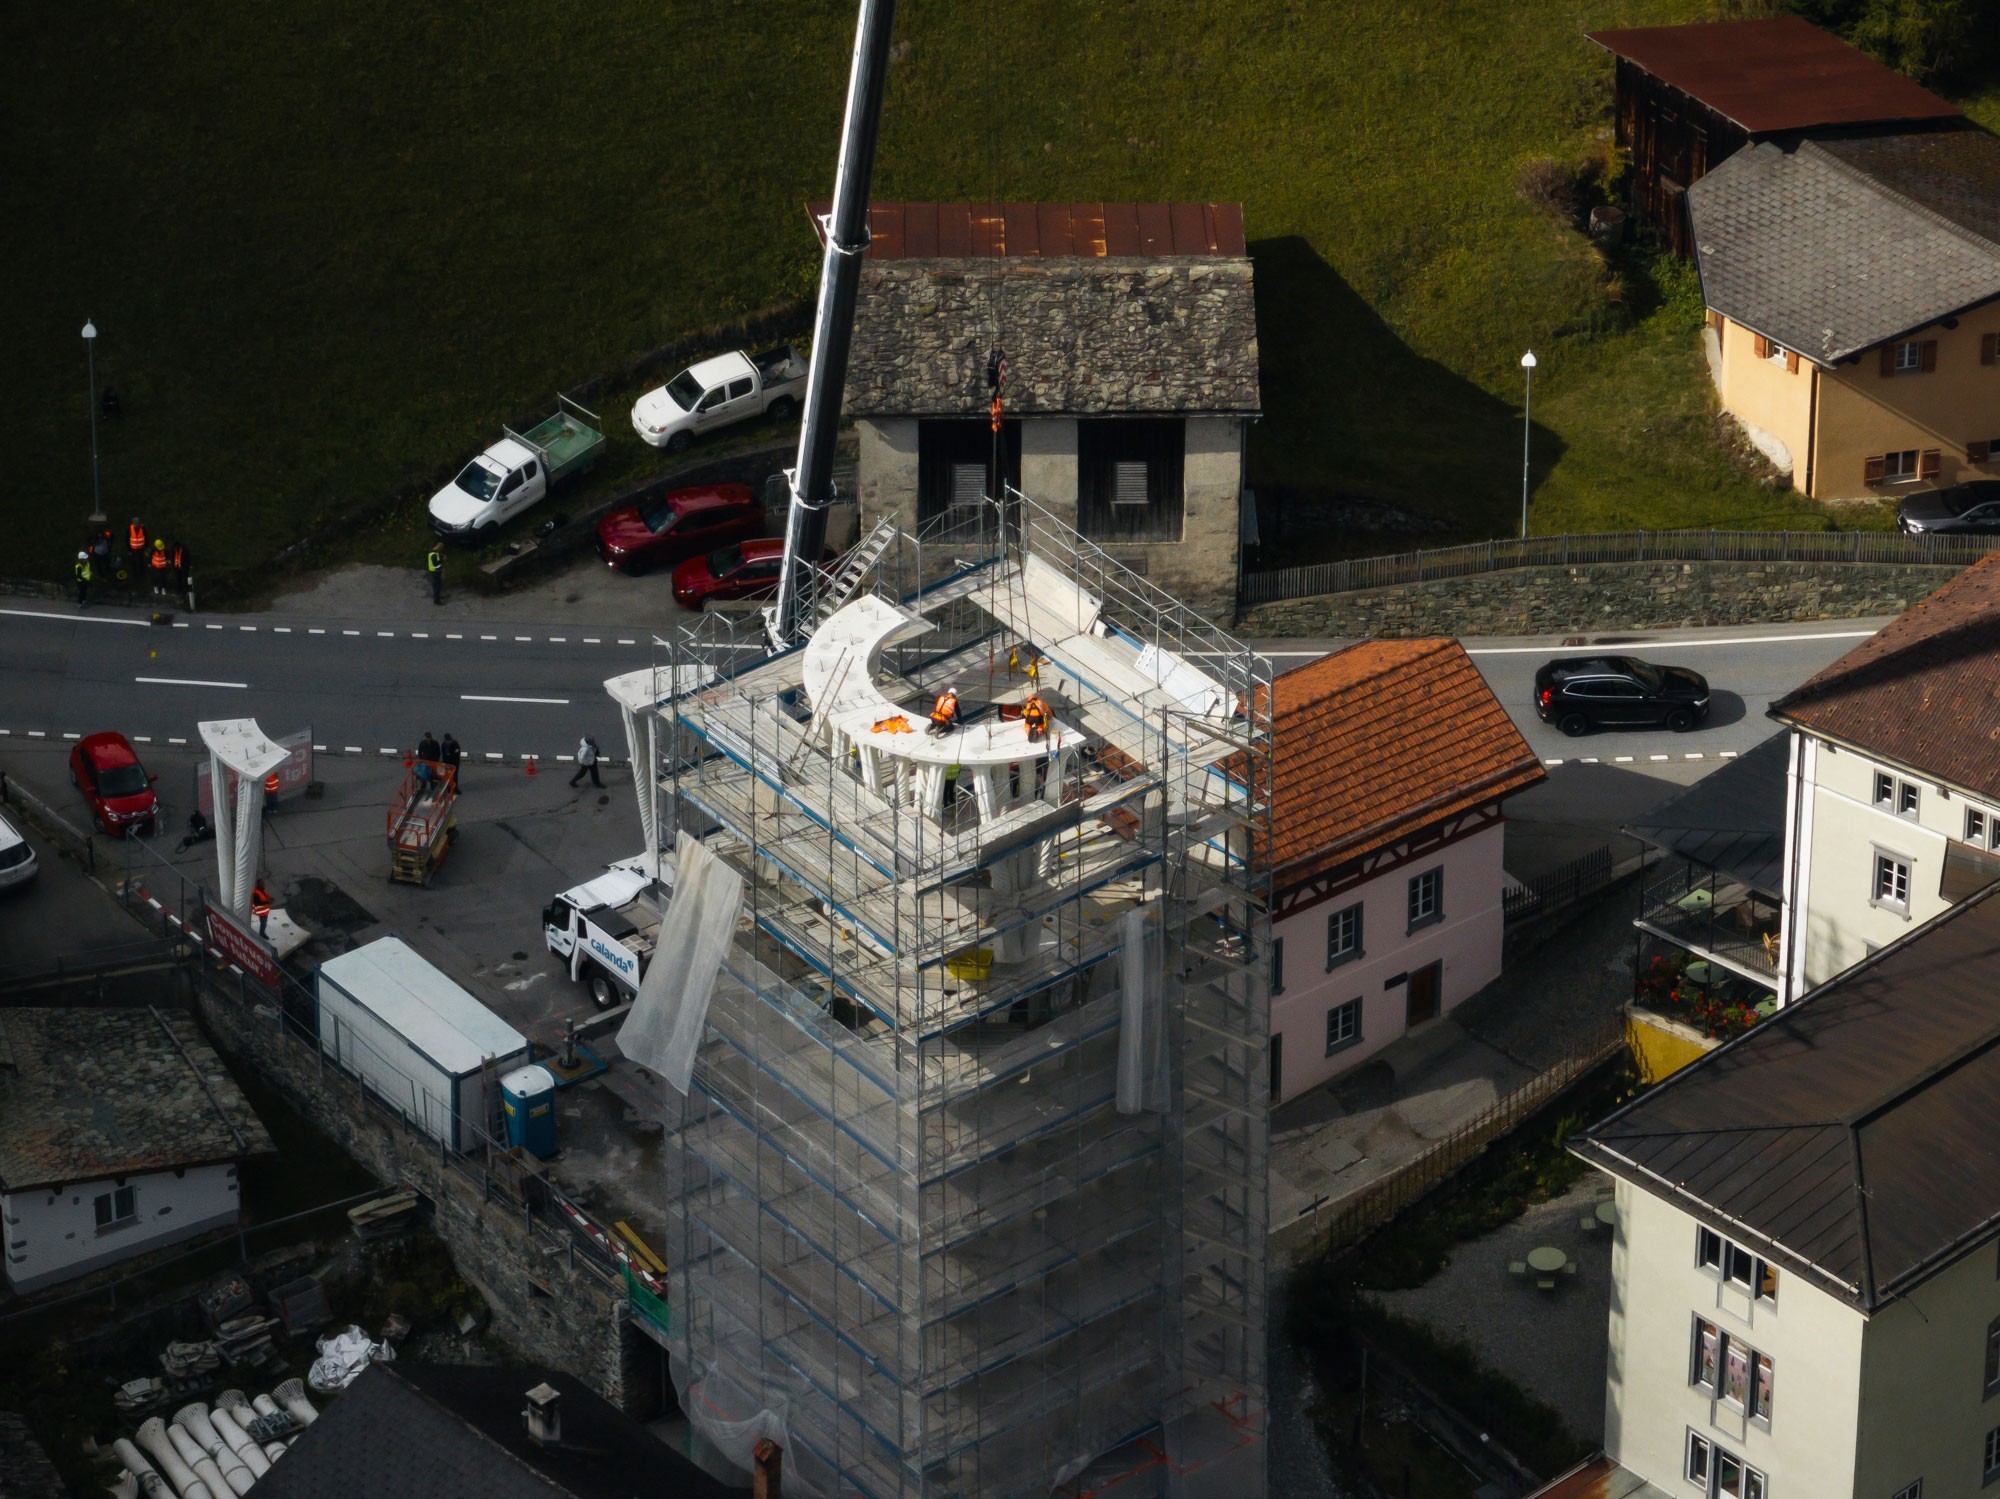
column 330, row 247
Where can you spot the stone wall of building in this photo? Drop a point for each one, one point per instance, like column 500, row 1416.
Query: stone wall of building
column 1606, row 596
column 548, row 1305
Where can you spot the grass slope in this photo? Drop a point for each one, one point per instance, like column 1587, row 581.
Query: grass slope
column 330, row 247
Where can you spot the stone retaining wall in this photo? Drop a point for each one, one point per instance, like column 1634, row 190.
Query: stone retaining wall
column 1615, row 595
column 550, row 1309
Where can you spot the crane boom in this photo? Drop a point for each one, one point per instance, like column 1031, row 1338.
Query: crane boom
column 833, row 323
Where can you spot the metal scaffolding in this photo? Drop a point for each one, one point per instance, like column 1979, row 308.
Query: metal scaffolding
column 967, row 1193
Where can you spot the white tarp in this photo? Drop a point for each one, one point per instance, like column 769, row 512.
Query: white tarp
column 1142, row 1039
column 342, row 1356
column 663, row 1028
column 1193, row 689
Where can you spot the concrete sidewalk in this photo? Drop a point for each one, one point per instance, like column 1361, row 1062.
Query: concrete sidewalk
column 1356, row 1130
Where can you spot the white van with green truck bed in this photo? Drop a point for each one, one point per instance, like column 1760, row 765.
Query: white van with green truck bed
column 517, row 471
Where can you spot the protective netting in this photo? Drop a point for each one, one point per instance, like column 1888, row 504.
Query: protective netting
column 665, row 1024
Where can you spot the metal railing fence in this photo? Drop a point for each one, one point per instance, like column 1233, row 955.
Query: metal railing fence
column 1351, row 574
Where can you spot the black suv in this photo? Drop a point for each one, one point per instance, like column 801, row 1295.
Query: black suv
column 1581, row 693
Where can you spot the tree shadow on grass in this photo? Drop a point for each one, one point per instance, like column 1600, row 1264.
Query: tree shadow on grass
column 1366, row 446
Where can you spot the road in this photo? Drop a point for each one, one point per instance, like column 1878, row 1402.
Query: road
column 509, row 689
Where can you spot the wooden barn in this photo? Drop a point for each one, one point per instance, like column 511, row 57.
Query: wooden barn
column 1690, row 97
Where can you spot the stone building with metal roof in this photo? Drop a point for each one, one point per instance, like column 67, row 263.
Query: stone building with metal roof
column 1129, row 338
column 1853, row 293
column 1804, row 1297
column 1393, row 761
column 120, row 1132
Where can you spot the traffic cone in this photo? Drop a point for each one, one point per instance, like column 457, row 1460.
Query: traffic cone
column 409, row 759
column 531, row 765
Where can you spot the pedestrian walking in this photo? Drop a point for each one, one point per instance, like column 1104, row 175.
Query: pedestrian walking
column 586, row 762
column 434, row 567
column 161, row 566
column 82, row 580
column 449, row 752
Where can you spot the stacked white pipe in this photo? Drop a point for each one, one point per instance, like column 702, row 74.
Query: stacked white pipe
column 194, row 1420
column 243, row 1412
column 240, row 1441
column 140, row 1477
column 160, row 1448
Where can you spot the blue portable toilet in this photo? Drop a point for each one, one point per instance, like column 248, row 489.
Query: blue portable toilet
column 528, row 1099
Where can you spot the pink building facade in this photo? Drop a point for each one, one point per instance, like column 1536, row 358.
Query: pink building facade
column 1388, row 948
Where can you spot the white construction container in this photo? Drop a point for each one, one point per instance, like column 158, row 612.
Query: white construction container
column 416, row 1038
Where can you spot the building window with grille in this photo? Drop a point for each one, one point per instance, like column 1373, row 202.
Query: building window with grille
column 1911, row 1490
column 1426, row 898
column 1343, row 936
column 955, row 468
column 1891, row 888
column 1343, row 1026
column 1992, row 1468
column 1131, row 479
column 1277, row 966
column 117, row 1208
column 1993, row 1358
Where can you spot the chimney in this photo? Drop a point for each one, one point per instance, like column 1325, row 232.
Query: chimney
column 544, row 1416
column 768, row 1481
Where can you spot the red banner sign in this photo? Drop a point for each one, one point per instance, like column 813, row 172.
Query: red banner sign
column 248, row 951
column 293, row 776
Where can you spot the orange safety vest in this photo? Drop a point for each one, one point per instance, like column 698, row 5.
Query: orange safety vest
column 945, row 709
column 1035, row 714
column 158, row 561
column 135, row 535
column 271, row 784
column 260, row 902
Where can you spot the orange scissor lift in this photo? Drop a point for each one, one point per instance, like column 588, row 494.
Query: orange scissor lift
column 421, row 821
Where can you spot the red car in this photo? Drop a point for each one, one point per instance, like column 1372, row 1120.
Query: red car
column 748, row 570
column 107, row 772
column 680, row 523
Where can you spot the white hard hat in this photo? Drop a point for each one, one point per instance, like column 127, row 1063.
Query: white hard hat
column 80, row 556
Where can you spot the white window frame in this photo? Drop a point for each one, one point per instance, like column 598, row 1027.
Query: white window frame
column 1778, row 354
column 1911, row 1490
column 1698, row 1459
column 1992, row 1380
column 1761, row 1270
column 108, row 1217
column 1895, row 470
column 1346, row 1019
column 1991, row 1470
column 1335, row 924
column 1909, row 356
column 1426, row 897
column 1975, row 827
column 1888, row 873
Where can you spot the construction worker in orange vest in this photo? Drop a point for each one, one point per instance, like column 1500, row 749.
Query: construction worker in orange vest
column 135, row 536
column 944, row 712
column 260, row 908
column 161, row 566
column 1035, row 716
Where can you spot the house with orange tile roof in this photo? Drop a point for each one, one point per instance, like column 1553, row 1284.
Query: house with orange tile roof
column 1393, row 759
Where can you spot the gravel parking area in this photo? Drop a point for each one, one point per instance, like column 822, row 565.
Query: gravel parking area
column 1551, row 1344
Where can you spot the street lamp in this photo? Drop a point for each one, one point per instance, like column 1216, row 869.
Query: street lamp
column 1527, row 405
column 90, row 357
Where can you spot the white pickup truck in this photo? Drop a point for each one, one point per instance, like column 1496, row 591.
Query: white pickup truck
column 605, row 928
column 517, row 471
column 719, row 392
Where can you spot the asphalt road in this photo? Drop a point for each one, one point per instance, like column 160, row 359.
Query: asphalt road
column 509, row 689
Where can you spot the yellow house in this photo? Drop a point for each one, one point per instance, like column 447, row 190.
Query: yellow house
column 1853, row 294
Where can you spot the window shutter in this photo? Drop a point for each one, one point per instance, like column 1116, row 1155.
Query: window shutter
column 1715, row 320
column 1975, row 452
column 1927, row 355
column 1928, row 464
column 1791, row 362
column 1871, row 469
column 1761, row 347
column 1989, row 346
column 1888, row 359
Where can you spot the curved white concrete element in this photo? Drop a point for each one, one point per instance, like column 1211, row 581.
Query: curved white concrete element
column 842, row 661
column 238, row 745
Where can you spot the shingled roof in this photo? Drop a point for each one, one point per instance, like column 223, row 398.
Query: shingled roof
column 1102, row 309
column 1849, row 1137
column 1923, row 691
column 1380, row 740
column 87, row 1094
column 1831, row 247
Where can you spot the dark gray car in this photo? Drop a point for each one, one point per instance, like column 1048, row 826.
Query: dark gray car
column 1970, row 508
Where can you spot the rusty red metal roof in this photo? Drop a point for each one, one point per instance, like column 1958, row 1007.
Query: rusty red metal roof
column 1092, row 231
column 1778, row 74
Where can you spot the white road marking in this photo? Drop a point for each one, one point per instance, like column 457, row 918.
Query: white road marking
column 628, row 642
column 36, row 734
column 177, row 741
column 1674, row 645
column 189, row 682
column 388, row 752
column 350, row 632
column 313, row 631
column 474, row 697
column 1621, row 759
column 529, row 638
column 385, row 634
column 319, row 749
column 1658, row 757
column 489, row 637
column 215, row 627
column 351, row 749
column 592, row 640
column 419, row 635
column 454, row 637
column 247, row 629
column 72, row 736
column 495, row 755
column 136, row 738
column 559, row 640
column 181, row 624
column 281, row 629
